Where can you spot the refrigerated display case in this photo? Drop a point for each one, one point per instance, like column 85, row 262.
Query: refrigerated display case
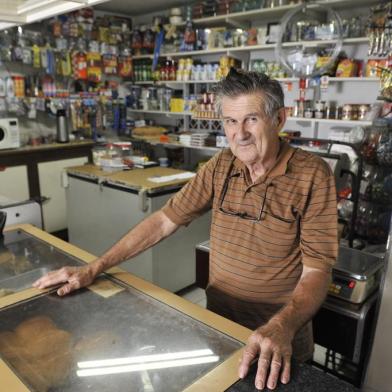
column 102, row 207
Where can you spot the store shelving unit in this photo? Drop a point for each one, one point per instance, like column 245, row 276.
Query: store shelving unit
column 330, row 121
column 162, row 112
column 247, row 54
column 176, row 82
column 236, row 18
column 179, row 83
column 247, row 49
column 246, row 16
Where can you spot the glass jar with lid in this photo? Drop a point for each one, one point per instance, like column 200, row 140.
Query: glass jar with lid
column 98, row 151
column 347, row 112
column 124, row 149
column 113, row 151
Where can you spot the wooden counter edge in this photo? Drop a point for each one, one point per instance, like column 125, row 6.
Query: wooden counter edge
column 220, row 378
column 9, row 381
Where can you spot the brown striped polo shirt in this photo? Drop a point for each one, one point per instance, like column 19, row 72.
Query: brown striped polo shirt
column 261, row 261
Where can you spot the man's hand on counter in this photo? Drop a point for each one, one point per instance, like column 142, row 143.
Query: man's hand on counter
column 273, row 344
column 73, row 277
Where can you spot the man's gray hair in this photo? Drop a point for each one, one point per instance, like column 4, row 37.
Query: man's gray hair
column 239, row 82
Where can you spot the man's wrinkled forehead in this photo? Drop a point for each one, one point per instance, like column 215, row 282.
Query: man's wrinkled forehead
column 246, row 103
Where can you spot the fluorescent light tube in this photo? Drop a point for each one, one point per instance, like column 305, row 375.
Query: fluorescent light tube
column 146, row 366
column 144, row 358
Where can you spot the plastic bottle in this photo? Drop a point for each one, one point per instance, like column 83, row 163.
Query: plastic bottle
column 10, row 91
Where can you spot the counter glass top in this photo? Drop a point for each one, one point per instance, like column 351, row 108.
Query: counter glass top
column 110, row 337
column 24, row 258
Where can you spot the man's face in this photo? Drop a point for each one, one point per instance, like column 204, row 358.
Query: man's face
column 249, row 132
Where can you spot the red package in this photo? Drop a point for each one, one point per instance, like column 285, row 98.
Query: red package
column 79, row 65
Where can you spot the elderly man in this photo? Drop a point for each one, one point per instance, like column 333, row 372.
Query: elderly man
column 273, row 234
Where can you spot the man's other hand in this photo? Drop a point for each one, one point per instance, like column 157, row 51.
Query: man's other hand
column 272, row 343
column 73, row 277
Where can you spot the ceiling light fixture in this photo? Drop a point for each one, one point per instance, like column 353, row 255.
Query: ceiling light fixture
column 31, row 5
column 35, row 10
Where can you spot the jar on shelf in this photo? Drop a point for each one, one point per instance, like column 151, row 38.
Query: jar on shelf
column 372, row 138
column 347, row 112
column 319, row 114
column 384, row 148
column 308, row 113
column 99, row 151
column 124, row 149
column 363, row 111
column 113, row 151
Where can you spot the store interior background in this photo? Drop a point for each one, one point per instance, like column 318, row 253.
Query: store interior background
column 372, row 227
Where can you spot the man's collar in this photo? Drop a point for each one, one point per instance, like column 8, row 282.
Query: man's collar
column 280, row 166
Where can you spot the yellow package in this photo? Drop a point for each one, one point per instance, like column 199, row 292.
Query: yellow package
column 347, row 68
column 322, row 61
column 66, row 67
column 36, row 56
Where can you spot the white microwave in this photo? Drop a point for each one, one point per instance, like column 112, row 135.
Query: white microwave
column 9, row 133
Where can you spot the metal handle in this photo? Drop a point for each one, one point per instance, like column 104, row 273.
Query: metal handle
column 3, row 218
column 143, row 203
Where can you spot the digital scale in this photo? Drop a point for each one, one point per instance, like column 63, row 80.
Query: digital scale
column 356, row 275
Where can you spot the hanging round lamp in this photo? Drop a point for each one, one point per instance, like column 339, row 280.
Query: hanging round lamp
column 310, row 40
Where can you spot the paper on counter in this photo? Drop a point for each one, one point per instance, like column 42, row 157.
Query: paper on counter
column 105, row 288
column 172, row 177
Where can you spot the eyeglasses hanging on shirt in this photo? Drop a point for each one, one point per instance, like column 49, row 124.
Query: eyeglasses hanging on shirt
column 243, row 214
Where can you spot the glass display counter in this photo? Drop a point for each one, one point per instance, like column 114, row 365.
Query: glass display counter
column 25, row 258
column 121, row 333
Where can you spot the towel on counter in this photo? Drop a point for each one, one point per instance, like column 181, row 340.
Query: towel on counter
column 172, row 177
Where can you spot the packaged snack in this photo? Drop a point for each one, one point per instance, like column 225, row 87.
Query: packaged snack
column 371, row 69
column 322, row 61
column 79, row 65
column 66, row 67
column 386, row 82
column 94, row 67
column 125, row 66
column 110, row 64
column 252, row 37
column 347, row 68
